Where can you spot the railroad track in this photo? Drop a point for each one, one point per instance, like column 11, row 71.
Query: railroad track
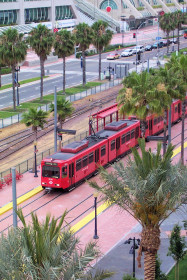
column 15, row 142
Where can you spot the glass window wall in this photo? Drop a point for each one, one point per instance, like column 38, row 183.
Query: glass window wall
column 36, row 15
column 8, row 17
column 63, row 12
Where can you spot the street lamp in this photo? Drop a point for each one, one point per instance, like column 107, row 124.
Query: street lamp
column 17, row 69
column 95, row 195
column 132, row 250
column 137, row 42
column 35, row 163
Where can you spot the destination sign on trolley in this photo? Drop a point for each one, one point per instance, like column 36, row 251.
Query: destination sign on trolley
column 66, row 131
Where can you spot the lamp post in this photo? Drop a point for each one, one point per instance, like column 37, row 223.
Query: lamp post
column 17, row 69
column 35, row 163
column 137, row 42
column 123, row 29
column 132, row 250
column 95, row 207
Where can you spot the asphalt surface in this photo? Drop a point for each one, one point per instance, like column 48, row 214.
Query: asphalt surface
column 120, row 261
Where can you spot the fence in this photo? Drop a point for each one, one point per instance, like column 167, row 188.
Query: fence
column 17, row 118
column 28, row 164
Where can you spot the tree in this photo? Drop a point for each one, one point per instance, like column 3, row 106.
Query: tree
column 45, row 251
column 176, row 248
column 101, row 38
column 166, row 25
column 159, row 275
column 84, row 36
column 34, row 119
column 41, row 41
column 138, row 97
column 64, row 46
column 149, row 188
column 167, row 81
column 178, row 65
column 13, row 50
column 64, row 110
column 179, row 18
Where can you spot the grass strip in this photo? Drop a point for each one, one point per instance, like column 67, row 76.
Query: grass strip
column 182, row 270
column 23, row 82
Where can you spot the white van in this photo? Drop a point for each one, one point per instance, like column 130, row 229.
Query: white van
column 139, row 48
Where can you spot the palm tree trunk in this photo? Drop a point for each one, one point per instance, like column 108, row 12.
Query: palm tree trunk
column 84, row 68
column 142, row 128
column 99, row 65
column 165, row 130
column 42, row 74
column 0, row 76
column 178, row 37
column 167, row 42
column 149, row 265
column 64, row 74
column 182, row 132
column 13, row 87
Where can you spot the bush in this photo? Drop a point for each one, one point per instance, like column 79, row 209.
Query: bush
column 5, row 71
column 128, row 277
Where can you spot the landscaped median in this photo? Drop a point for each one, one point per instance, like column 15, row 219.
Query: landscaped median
column 47, row 99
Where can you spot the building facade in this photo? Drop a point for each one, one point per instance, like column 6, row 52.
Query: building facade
column 53, row 13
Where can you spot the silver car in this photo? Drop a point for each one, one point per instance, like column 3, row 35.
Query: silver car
column 127, row 52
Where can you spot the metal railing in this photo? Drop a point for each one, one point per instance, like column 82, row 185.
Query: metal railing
column 17, row 118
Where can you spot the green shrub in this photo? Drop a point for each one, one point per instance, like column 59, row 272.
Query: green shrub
column 128, row 277
column 170, row 4
column 140, row 8
column 5, row 71
column 156, row 6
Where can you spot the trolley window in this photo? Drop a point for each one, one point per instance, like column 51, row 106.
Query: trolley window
column 51, row 171
column 64, row 171
column 176, row 108
column 155, row 121
column 113, row 145
column 84, row 161
column 123, row 139
column 78, row 165
column 91, row 157
column 103, row 150
column 132, row 133
column 128, row 137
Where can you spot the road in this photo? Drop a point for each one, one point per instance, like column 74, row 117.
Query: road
column 73, row 75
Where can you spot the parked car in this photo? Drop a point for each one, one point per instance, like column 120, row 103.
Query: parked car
column 165, row 42
column 148, row 48
column 140, row 49
column 156, row 45
column 113, row 56
column 174, row 40
column 127, row 52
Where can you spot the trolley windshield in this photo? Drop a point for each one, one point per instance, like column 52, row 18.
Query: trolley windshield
column 51, row 171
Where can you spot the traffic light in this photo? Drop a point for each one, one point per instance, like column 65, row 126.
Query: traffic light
column 134, row 35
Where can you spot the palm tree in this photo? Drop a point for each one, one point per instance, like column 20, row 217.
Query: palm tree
column 84, row 35
column 149, row 188
column 34, row 119
column 13, row 50
column 101, row 38
column 45, row 251
column 41, row 41
column 138, row 97
column 64, row 46
column 179, row 18
column 64, row 110
column 166, row 25
column 178, row 64
column 168, row 81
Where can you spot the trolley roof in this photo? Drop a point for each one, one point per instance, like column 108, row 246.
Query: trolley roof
column 90, row 141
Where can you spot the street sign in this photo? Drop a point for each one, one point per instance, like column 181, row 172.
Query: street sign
column 158, row 38
column 66, row 131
